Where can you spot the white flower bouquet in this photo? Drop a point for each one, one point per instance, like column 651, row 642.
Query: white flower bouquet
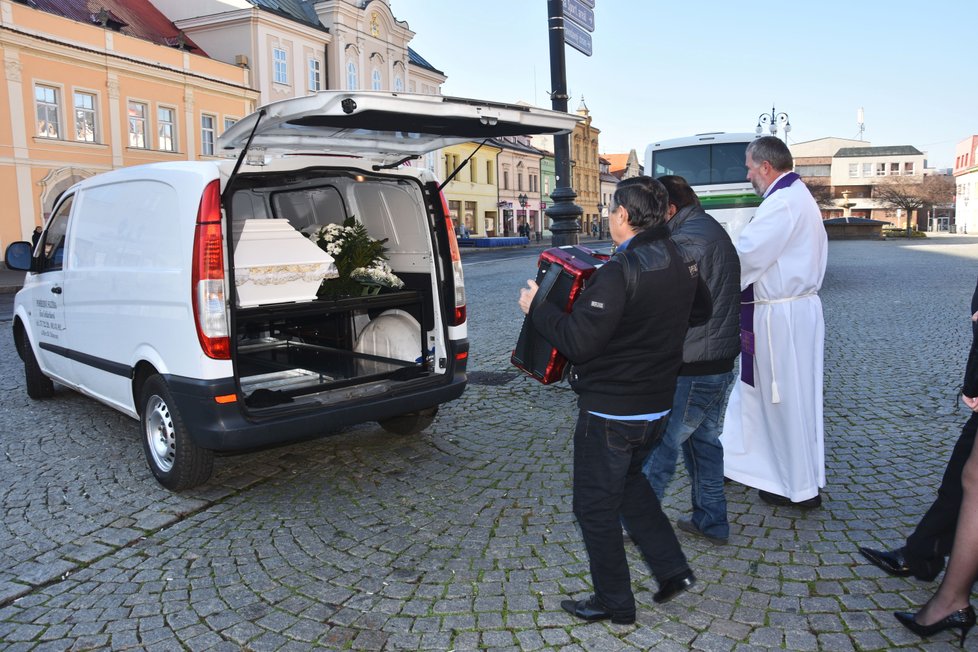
column 360, row 260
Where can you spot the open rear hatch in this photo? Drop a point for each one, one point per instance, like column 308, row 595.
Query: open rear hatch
column 300, row 348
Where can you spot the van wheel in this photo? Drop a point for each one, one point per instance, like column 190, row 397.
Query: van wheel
column 172, row 457
column 411, row 423
column 38, row 385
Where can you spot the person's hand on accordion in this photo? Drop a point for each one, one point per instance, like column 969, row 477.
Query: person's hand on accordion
column 527, row 294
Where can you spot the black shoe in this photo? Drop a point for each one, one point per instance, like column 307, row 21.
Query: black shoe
column 782, row 501
column 674, row 586
column 892, row 561
column 592, row 610
column 963, row 619
column 686, row 525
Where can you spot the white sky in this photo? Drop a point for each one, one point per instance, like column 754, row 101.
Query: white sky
column 669, row 69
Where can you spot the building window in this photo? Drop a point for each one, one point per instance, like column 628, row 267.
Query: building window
column 867, row 169
column 519, row 181
column 375, row 80
column 85, row 117
column 315, row 76
column 351, row 76
column 166, row 127
column 894, row 169
column 398, row 84
column 853, row 170
column 881, row 169
column 280, row 64
column 138, row 134
column 908, row 169
column 207, row 135
column 473, row 173
column 505, row 179
column 490, row 171
column 228, row 123
column 47, row 99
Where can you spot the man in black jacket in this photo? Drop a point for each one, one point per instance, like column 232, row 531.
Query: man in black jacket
column 923, row 554
column 709, row 353
column 624, row 337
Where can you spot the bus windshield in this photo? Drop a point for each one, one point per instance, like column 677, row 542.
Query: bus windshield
column 705, row 164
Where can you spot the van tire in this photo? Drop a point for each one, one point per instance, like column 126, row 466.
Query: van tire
column 38, row 385
column 411, row 423
column 176, row 462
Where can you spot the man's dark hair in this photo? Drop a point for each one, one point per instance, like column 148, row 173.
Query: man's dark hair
column 772, row 150
column 680, row 194
column 645, row 199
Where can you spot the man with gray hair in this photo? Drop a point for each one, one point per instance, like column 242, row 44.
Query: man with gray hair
column 773, row 436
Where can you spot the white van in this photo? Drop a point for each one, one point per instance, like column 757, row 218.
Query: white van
column 185, row 294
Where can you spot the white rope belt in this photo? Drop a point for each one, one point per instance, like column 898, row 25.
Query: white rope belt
column 775, row 394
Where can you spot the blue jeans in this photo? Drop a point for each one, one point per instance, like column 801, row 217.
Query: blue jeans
column 694, row 426
column 609, row 489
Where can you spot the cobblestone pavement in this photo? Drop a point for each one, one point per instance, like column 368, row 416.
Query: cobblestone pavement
column 463, row 537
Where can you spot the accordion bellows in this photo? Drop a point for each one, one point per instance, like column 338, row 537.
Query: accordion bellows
column 561, row 274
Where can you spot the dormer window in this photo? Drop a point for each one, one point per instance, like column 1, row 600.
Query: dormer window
column 109, row 20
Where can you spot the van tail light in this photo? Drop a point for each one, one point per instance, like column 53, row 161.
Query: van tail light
column 207, row 284
column 458, row 280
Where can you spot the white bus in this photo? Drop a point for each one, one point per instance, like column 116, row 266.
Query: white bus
column 713, row 165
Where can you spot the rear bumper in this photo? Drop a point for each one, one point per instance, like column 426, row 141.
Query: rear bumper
column 226, row 427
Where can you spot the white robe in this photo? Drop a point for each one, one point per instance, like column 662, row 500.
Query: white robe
column 770, row 445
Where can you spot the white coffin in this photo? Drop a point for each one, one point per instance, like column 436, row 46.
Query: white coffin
column 274, row 263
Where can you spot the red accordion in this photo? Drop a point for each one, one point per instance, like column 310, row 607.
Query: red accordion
column 561, row 274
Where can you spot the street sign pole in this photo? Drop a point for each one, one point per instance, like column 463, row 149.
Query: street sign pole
column 564, row 214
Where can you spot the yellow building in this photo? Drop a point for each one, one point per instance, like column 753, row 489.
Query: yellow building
column 472, row 195
column 586, row 171
column 83, row 93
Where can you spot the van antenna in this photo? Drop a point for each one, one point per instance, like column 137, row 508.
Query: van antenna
column 241, row 156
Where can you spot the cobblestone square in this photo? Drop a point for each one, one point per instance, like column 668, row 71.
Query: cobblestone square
column 462, row 537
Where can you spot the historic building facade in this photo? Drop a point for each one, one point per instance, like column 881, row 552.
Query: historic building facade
column 83, row 93
column 472, row 195
column 586, row 170
column 293, row 48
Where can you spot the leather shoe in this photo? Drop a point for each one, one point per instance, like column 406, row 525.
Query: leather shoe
column 892, row 561
column 591, row 610
column 674, row 586
column 782, row 501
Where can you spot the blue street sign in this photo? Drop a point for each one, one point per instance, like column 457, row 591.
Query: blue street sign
column 575, row 11
column 577, row 38
column 589, row 3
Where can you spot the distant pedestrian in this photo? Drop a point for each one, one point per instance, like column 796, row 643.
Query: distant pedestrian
column 624, row 338
column 709, row 354
column 35, row 237
column 773, row 436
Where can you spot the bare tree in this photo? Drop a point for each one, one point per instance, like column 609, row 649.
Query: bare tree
column 904, row 193
column 822, row 193
column 939, row 189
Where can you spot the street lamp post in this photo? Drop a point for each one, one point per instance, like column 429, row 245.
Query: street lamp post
column 600, row 220
column 564, row 214
column 522, row 199
column 774, row 121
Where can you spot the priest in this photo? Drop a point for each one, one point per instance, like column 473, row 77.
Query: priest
column 773, row 436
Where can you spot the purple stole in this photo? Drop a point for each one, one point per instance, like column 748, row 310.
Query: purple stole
column 747, row 306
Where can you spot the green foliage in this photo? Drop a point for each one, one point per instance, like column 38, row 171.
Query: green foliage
column 352, row 249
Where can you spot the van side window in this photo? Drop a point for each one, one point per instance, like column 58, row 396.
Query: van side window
column 53, row 247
